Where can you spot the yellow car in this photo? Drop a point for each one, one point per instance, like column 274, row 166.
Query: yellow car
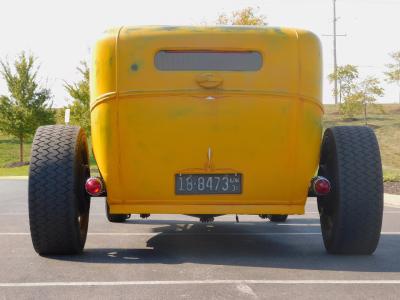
column 206, row 121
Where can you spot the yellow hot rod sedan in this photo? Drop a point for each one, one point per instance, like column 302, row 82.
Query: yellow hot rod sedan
column 206, row 121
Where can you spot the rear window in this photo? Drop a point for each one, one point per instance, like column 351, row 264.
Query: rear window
column 171, row 60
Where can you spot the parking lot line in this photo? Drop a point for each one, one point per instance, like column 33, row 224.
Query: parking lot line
column 26, row 214
column 385, row 212
column 298, row 224
column 176, row 233
column 192, row 282
column 194, row 234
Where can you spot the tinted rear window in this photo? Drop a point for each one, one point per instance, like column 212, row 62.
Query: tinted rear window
column 208, row 61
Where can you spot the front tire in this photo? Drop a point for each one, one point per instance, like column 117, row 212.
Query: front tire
column 351, row 214
column 58, row 203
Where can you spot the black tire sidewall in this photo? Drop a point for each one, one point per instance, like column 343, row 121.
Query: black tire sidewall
column 57, row 200
column 351, row 215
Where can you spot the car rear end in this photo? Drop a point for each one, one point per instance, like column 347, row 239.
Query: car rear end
column 206, row 120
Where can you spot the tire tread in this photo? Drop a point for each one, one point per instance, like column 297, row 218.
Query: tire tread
column 53, row 206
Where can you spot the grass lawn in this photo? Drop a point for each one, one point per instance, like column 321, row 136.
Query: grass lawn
column 9, row 150
column 18, row 171
column 9, row 153
column 387, row 129
column 386, row 125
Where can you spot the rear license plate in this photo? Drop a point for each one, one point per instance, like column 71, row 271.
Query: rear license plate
column 194, row 184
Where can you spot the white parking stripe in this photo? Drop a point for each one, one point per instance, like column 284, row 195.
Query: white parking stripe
column 176, row 233
column 194, row 234
column 385, row 212
column 26, row 214
column 189, row 282
column 298, row 224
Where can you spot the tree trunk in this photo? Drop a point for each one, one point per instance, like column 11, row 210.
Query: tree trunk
column 21, row 149
column 365, row 113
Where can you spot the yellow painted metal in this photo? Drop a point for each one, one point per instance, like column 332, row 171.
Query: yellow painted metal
column 148, row 125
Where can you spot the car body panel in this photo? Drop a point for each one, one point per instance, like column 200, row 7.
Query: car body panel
column 148, row 124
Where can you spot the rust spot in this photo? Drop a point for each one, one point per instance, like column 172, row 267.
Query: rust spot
column 134, row 67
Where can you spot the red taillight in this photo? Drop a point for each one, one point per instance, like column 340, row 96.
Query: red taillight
column 321, row 186
column 94, row 186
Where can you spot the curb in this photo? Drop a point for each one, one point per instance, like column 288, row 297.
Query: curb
column 392, row 200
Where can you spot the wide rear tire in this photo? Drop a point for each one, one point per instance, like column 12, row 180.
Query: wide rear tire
column 351, row 214
column 58, row 203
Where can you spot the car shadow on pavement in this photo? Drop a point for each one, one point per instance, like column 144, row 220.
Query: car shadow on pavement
column 250, row 244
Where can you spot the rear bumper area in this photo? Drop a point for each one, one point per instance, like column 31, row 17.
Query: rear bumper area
column 208, row 209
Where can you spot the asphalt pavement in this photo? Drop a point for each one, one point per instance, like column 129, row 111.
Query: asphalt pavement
column 176, row 257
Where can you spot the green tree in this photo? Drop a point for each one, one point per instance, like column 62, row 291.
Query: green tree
column 393, row 70
column 350, row 106
column 367, row 92
column 79, row 91
column 245, row 16
column 27, row 105
column 346, row 76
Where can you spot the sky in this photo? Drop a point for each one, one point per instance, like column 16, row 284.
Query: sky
column 61, row 33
